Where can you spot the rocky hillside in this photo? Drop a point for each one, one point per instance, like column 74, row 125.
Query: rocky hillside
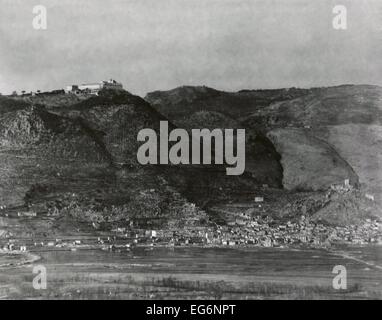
column 348, row 118
column 180, row 103
column 80, row 161
column 327, row 122
column 361, row 146
column 119, row 116
column 323, row 107
column 37, row 147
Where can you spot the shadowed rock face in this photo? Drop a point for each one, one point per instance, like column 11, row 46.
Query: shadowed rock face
column 202, row 107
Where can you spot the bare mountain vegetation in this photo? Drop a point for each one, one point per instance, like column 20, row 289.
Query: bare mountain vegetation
column 78, row 160
column 314, row 112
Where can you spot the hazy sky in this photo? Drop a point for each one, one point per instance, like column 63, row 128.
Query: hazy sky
column 161, row 44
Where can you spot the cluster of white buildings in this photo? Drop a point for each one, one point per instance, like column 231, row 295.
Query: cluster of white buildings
column 94, row 88
column 89, row 88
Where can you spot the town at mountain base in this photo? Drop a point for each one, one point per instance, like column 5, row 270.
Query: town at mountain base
column 71, row 156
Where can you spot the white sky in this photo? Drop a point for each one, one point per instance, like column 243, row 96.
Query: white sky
column 161, row 44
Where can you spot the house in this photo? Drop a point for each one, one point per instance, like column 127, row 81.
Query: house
column 266, row 242
column 27, row 214
column 259, row 199
column 150, row 233
column 240, row 222
column 72, row 89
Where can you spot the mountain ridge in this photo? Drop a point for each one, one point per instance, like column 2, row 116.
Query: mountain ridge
column 311, row 111
column 44, row 163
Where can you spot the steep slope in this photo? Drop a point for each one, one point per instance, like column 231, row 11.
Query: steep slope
column 37, row 147
column 347, row 117
column 202, row 107
column 318, row 111
column 262, row 159
column 361, row 146
column 64, row 166
column 309, row 163
column 80, row 161
column 119, row 116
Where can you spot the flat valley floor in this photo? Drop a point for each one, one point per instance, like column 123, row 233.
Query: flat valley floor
column 197, row 273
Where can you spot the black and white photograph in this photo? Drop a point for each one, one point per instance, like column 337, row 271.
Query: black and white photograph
column 210, row 151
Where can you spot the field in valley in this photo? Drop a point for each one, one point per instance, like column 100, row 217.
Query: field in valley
column 201, row 273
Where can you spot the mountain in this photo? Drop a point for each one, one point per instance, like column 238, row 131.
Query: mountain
column 37, row 147
column 347, row 104
column 119, row 116
column 180, row 103
column 313, row 115
column 78, row 161
column 348, row 118
column 74, row 163
column 53, row 99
